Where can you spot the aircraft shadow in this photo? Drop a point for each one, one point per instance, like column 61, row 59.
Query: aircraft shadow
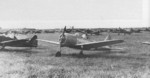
column 23, row 50
column 107, row 55
column 41, row 47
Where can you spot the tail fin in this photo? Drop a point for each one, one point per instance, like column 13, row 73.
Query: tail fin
column 108, row 38
column 15, row 38
column 33, row 41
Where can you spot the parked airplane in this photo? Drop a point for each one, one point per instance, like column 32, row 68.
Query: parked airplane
column 148, row 43
column 14, row 42
column 71, row 41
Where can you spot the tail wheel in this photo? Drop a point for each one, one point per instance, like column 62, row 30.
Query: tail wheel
column 58, row 54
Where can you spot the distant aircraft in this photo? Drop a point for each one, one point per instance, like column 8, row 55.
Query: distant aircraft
column 14, row 42
column 148, row 43
column 71, row 41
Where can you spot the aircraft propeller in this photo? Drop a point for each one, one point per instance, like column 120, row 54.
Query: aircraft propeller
column 61, row 40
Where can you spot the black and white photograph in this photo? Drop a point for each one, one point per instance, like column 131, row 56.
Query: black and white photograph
column 74, row 39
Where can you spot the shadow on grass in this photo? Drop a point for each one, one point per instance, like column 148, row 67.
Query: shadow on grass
column 105, row 54
column 42, row 47
column 19, row 50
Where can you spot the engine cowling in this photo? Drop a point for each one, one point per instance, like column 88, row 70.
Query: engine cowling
column 69, row 40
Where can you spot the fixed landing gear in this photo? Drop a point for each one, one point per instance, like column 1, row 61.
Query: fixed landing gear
column 81, row 53
column 58, row 54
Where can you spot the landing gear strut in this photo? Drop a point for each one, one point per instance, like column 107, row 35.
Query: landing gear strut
column 81, row 52
column 58, row 54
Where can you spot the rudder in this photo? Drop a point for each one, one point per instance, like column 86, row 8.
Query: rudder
column 33, row 41
column 108, row 38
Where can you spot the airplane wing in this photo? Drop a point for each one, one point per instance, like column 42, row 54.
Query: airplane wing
column 11, row 41
column 83, row 40
column 99, row 43
column 53, row 42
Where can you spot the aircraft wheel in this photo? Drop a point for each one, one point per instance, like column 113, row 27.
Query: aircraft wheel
column 58, row 54
column 3, row 46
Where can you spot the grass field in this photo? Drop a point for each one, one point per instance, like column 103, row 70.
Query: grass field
column 40, row 62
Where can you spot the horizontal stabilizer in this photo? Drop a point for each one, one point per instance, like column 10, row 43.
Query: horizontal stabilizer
column 33, row 39
column 108, row 38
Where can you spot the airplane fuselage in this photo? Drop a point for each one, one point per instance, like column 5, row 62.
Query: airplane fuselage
column 7, row 41
column 69, row 40
column 21, row 43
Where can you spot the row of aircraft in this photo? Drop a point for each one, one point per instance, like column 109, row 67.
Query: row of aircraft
column 65, row 40
column 71, row 41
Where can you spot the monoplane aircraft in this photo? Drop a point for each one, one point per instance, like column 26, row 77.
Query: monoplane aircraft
column 148, row 43
column 14, row 42
column 71, row 41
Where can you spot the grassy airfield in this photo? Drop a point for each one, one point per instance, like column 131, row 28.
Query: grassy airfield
column 40, row 62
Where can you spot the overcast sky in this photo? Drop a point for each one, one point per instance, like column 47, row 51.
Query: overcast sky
column 78, row 13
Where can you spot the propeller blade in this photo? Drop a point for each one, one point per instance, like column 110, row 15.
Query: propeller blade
column 64, row 30
column 62, row 36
